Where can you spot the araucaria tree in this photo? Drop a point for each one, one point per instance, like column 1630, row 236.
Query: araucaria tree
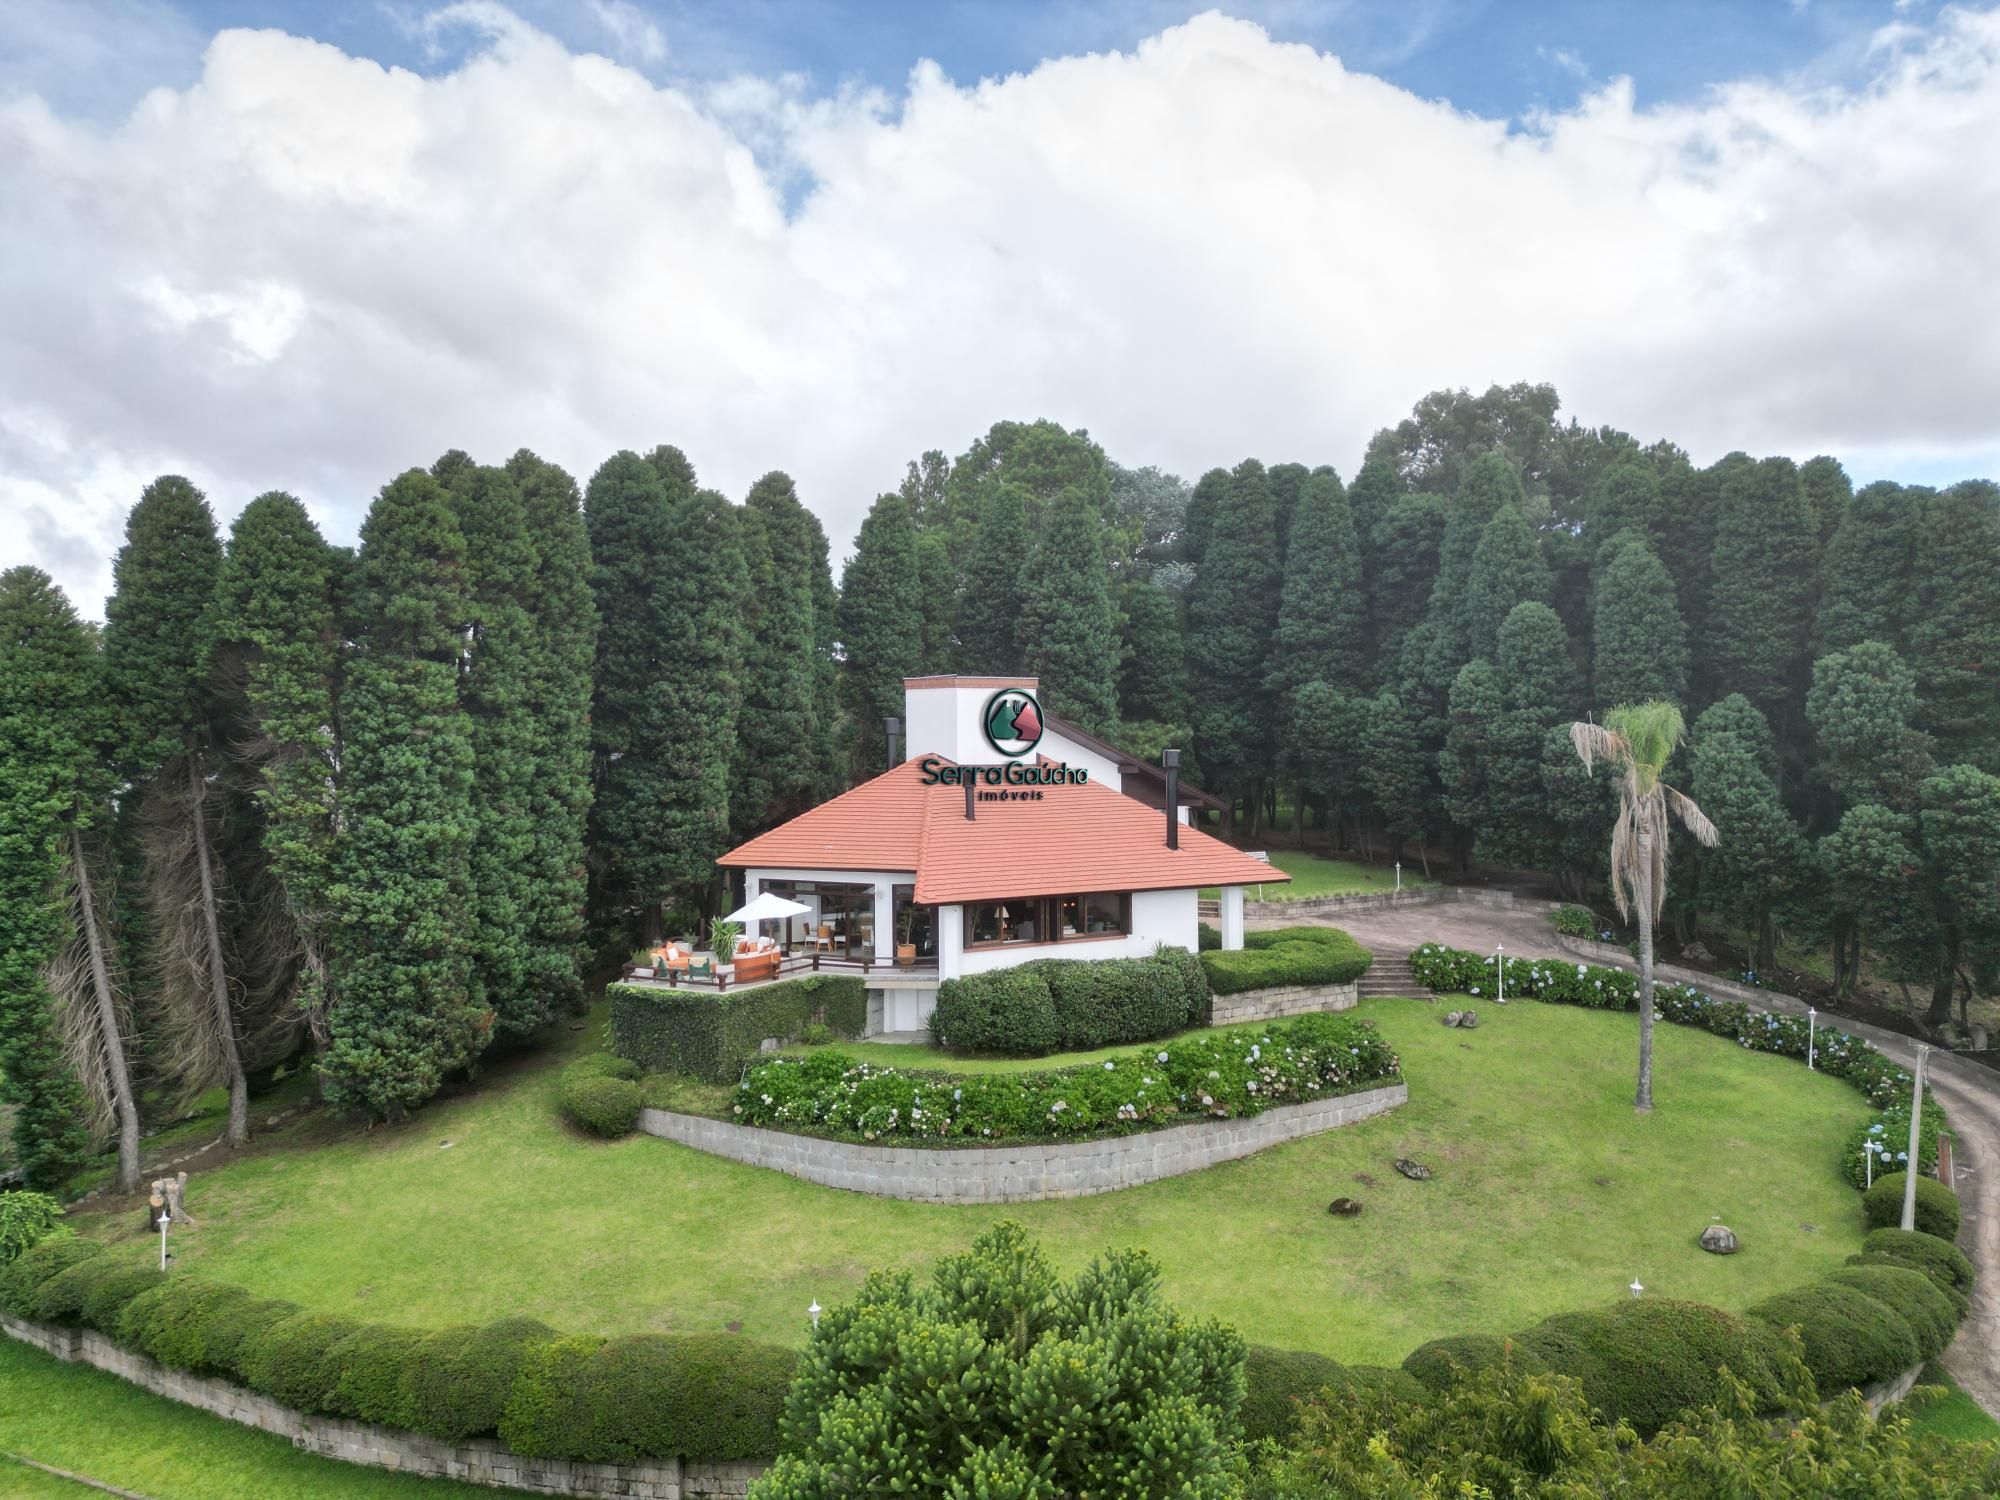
column 1232, row 613
column 778, row 732
column 48, row 691
column 406, row 1016
column 881, row 620
column 157, row 626
column 1069, row 634
column 1637, row 741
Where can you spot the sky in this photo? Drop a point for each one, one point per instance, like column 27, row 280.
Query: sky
column 306, row 246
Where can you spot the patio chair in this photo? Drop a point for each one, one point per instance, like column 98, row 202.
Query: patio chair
column 701, row 966
column 823, row 941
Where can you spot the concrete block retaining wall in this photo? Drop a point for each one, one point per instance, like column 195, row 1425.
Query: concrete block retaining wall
column 1280, row 1000
column 1025, row 1173
column 1440, row 895
column 476, row 1461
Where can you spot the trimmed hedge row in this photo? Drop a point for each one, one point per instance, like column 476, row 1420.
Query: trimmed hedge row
column 1071, row 1005
column 1948, row 1267
column 1287, row 956
column 700, row 1395
column 1837, row 1053
column 1275, row 1381
column 1937, row 1206
column 711, row 1036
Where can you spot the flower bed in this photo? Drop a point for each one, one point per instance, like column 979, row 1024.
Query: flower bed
column 1836, row 1053
column 1203, row 1077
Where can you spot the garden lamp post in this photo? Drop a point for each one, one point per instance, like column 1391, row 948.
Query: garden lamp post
column 814, row 1311
column 1812, row 1034
column 1868, row 1164
column 1635, row 1289
column 1500, row 973
column 1399, row 874
column 165, row 1220
column 1910, row 1169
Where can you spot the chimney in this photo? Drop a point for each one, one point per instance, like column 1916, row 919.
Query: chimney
column 968, row 801
column 1171, row 760
column 893, row 728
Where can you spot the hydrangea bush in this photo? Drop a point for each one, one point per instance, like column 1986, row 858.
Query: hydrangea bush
column 1214, row 1076
column 1837, row 1053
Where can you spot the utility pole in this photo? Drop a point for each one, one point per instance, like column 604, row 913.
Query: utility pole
column 1916, row 1140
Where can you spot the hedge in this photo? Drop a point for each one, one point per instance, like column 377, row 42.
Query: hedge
column 1071, row 1005
column 1205, row 1075
column 1443, row 1362
column 711, row 1036
column 599, row 1103
column 1849, row 1337
column 698, row 1395
column 1946, row 1265
column 1837, row 1053
column 1931, row 1315
column 1937, row 1206
column 1275, row 1381
column 1287, row 956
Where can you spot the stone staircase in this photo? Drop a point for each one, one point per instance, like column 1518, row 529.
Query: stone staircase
column 1390, row 975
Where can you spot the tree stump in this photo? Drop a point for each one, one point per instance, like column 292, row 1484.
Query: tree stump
column 170, row 1191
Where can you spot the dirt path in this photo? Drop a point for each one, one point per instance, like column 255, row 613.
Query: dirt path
column 1970, row 1094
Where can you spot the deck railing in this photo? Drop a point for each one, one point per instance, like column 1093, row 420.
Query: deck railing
column 790, row 966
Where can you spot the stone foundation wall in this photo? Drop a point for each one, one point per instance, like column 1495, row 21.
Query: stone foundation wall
column 1280, row 1000
column 1025, row 1173
column 1438, row 895
column 476, row 1461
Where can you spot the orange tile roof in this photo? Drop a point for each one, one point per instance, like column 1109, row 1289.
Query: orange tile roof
column 1076, row 838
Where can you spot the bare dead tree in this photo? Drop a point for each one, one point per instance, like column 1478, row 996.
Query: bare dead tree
column 93, row 1011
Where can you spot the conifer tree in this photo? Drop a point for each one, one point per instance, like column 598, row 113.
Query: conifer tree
column 406, row 1016
column 1069, row 632
column 48, row 693
column 778, row 729
column 277, row 648
column 563, row 614
column 1537, row 673
column 1750, row 875
column 1319, row 631
column 1490, row 483
column 1232, row 613
column 1638, row 643
column 1765, row 543
column 1625, row 496
column 497, row 684
column 1506, row 570
column 1204, row 500
column 1394, row 775
column 1866, row 575
column 1829, row 492
column 990, row 609
column 833, row 757
column 1953, row 635
column 937, row 577
column 1288, row 483
column 1862, row 708
column 1581, row 805
column 1155, row 664
column 158, row 626
column 1400, row 581
column 881, row 620
column 1325, row 736
column 1538, row 690
column 1465, row 765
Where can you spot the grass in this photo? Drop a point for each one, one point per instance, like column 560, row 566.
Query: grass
column 1550, row 1194
column 1314, row 875
column 1952, row 1415
column 91, row 1423
column 910, row 1055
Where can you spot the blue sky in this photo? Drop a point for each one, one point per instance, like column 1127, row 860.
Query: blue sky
column 1496, row 59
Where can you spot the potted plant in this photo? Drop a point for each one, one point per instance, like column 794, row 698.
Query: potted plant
column 722, row 936
column 906, row 947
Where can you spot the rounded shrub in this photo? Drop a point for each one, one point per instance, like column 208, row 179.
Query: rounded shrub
column 1275, row 1381
column 1937, row 1206
column 372, row 1380
column 603, row 1065
column 1648, row 1361
column 1850, row 1339
column 22, row 1277
column 1004, row 1010
column 600, row 1104
column 170, row 1323
column 289, row 1361
column 229, row 1331
column 1444, row 1362
column 460, row 1378
column 1913, row 1296
column 1943, row 1262
column 1287, row 956
column 92, row 1292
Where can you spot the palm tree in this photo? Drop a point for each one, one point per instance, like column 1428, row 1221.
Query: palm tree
column 1637, row 740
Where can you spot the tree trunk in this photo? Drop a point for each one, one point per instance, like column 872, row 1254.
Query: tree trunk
column 1843, row 980
column 1767, row 944
column 1298, row 815
column 1943, row 989
column 1423, row 854
column 1643, row 1100
column 218, row 978
column 107, row 1020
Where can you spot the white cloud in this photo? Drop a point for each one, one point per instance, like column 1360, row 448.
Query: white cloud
column 310, row 271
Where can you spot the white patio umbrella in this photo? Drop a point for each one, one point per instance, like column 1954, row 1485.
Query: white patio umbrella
column 767, row 907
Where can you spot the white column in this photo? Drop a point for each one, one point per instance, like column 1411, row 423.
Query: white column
column 950, row 922
column 885, row 919
column 1232, row 917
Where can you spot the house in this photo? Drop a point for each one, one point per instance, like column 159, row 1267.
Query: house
column 1003, row 836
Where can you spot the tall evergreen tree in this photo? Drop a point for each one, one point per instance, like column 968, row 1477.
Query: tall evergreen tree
column 277, row 648
column 834, row 738
column 1625, row 496
column 1401, row 580
column 1319, row 630
column 1394, row 776
column 937, row 576
column 1232, row 613
column 406, row 1015
column 1862, row 706
column 497, row 685
column 1953, row 638
column 1829, row 492
column 563, row 616
column 1465, row 765
column 1866, row 575
column 1761, row 866
column 778, row 728
column 156, row 636
column 1151, row 680
column 1207, row 497
column 881, row 620
column 1638, row 642
column 1506, row 570
column 1759, row 613
column 1325, row 735
column 1069, row 631
column 1288, row 483
column 989, row 616
column 1489, row 484
column 48, row 693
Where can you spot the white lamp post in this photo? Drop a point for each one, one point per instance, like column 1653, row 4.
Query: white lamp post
column 1635, row 1288
column 1812, row 1034
column 814, row 1311
column 1916, row 1140
column 1868, row 1162
column 166, row 1218
column 1500, row 973
column 1399, row 874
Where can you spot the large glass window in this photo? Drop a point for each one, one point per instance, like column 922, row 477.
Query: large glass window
column 1047, row 919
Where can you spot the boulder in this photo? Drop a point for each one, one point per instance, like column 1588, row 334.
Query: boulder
column 1416, row 1171
column 1469, row 1019
column 1347, row 1208
column 1696, row 953
column 1452, row 1017
column 1719, row 1239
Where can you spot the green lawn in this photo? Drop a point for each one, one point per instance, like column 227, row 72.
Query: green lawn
column 90, row 1423
column 1550, row 1194
column 1313, row 875
column 1953, row 1415
column 908, row 1055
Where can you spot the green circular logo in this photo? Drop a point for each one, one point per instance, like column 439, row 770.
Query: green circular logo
column 1013, row 721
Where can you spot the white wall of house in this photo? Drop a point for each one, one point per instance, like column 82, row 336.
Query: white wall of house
column 1157, row 917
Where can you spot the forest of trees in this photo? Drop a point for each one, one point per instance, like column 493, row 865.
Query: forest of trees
column 381, row 807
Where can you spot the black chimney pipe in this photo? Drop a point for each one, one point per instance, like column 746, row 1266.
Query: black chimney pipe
column 968, row 802
column 1171, row 760
column 893, row 728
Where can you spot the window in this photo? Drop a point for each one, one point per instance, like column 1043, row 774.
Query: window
column 1047, row 919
